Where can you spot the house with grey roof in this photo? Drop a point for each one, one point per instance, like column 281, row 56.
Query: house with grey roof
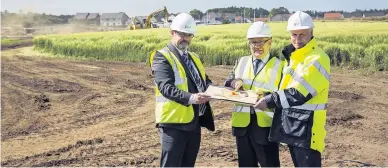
column 352, row 15
column 213, row 18
column 114, row 19
column 280, row 17
column 80, row 16
column 229, row 17
column 93, row 18
column 86, row 18
column 374, row 14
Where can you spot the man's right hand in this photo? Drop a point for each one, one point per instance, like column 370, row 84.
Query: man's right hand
column 237, row 84
column 201, row 98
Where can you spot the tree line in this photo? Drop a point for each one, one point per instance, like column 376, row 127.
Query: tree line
column 261, row 12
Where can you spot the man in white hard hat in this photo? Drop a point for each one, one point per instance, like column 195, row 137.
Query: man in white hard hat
column 181, row 105
column 301, row 102
column 260, row 72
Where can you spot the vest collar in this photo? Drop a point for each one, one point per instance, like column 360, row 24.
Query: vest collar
column 299, row 54
column 264, row 60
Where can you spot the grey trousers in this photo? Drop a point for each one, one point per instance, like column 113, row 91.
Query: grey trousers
column 179, row 148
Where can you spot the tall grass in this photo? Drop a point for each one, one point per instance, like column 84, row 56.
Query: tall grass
column 350, row 44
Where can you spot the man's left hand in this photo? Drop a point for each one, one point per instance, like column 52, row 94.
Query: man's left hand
column 261, row 104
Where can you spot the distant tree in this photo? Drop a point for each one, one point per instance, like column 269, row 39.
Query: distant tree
column 197, row 14
column 273, row 12
column 283, row 10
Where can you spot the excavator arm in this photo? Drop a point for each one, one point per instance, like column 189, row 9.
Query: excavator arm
column 148, row 20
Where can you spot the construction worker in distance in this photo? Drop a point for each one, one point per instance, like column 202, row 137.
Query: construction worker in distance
column 301, row 102
column 260, row 72
column 181, row 105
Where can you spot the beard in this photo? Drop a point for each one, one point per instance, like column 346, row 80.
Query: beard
column 183, row 45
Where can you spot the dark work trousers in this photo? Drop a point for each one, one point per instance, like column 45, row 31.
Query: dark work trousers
column 179, row 148
column 253, row 147
column 251, row 153
column 305, row 157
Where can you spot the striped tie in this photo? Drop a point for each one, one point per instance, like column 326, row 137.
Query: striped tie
column 196, row 78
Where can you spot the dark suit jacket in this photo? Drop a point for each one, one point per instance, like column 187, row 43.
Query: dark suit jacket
column 164, row 79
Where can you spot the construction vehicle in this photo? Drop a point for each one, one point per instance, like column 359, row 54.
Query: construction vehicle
column 146, row 22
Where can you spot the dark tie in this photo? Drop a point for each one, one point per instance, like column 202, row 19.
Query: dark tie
column 256, row 64
column 193, row 73
column 197, row 79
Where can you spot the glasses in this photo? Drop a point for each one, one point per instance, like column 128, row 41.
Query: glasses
column 182, row 35
column 258, row 43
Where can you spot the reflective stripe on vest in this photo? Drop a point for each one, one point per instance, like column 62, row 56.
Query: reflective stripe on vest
column 321, row 69
column 267, row 80
column 270, row 85
column 284, row 103
column 178, row 79
column 303, row 82
column 246, row 109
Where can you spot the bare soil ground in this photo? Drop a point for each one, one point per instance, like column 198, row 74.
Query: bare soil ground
column 58, row 112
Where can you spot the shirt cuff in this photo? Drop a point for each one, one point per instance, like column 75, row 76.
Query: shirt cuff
column 191, row 100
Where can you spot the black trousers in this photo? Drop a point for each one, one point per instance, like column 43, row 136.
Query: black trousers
column 305, row 157
column 179, row 148
column 251, row 153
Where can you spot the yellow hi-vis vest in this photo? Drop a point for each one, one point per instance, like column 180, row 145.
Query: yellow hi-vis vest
column 168, row 111
column 266, row 80
column 309, row 72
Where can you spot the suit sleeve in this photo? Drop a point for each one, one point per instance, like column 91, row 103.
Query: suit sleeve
column 228, row 82
column 208, row 81
column 164, row 79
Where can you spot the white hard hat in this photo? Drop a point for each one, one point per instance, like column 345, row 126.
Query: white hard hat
column 300, row 20
column 183, row 23
column 259, row 29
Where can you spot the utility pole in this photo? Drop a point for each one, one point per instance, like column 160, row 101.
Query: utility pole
column 254, row 15
column 241, row 18
column 244, row 16
column 207, row 17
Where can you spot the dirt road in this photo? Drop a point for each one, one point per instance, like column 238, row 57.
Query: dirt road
column 58, row 112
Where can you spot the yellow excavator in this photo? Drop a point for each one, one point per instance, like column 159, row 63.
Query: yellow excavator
column 146, row 23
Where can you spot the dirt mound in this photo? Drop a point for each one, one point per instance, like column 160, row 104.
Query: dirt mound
column 43, row 102
column 51, row 85
column 103, row 79
column 345, row 95
column 344, row 119
column 136, row 86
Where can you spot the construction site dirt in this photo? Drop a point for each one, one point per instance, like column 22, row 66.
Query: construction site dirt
column 61, row 112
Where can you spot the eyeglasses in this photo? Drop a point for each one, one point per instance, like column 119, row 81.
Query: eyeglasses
column 258, row 43
column 182, row 35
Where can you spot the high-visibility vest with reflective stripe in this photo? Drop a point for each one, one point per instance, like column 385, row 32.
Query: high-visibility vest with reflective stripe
column 309, row 72
column 266, row 80
column 168, row 111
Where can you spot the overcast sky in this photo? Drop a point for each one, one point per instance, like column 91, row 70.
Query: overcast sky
column 144, row 7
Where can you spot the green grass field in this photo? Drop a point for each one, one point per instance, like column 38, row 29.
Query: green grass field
column 10, row 43
column 349, row 44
